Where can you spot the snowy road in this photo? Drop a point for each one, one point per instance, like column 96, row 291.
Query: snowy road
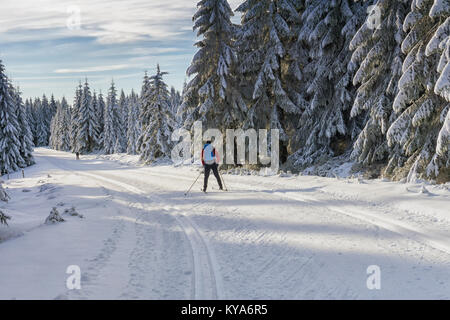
column 267, row 238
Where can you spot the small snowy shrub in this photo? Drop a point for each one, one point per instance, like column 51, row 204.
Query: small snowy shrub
column 73, row 212
column 4, row 218
column 3, row 195
column 54, row 217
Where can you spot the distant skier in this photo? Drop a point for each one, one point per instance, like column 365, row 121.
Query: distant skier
column 210, row 158
column 77, row 154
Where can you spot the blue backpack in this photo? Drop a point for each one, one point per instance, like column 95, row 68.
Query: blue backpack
column 208, row 154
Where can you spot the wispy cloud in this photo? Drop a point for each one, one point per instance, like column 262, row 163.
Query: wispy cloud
column 109, row 21
column 116, row 38
column 94, row 69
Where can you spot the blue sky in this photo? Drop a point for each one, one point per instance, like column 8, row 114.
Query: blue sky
column 45, row 50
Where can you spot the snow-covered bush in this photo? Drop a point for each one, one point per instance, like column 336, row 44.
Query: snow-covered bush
column 4, row 218
column 3, row 195
column 54, row 217
column 73, row 212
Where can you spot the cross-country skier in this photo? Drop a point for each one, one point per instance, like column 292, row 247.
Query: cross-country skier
column 210, row 158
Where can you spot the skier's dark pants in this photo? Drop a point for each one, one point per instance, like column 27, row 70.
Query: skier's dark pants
column 208, row 168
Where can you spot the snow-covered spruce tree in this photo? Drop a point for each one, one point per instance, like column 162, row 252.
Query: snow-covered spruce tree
column 180, row 116
column 53, row 105
column 30, row 116
column 60, row 127
column 175, row 100
column 87, row 127
column 54, row 127
column 74, row 117
column 111, row 122
column 101, row 106
column 65, row 126
column 264, row 41
column 213, row 95
column 378, row 58
column 46, row 113
column 157, row 122
column 53, row 140
column 42, row 127
column 96, row 130
column 10, row 157
column 440, row 43
column 33, row 117
column 134, row 125
column 415, row 131
column 122, row 123
column 25, row 135
column 325, row 128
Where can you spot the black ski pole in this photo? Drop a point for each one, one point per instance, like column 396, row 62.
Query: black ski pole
column 193, row 184
column 223, row 181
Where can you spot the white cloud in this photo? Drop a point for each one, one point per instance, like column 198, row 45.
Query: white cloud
column 119, row 32
column 94, row 69
column 109, row 21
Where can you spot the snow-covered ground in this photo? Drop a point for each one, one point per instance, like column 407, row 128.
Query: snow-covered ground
column 288, row 237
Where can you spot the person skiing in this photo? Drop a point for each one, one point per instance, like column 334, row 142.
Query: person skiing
column 210, row 158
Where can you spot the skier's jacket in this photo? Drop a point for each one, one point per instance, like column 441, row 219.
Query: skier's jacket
column 209, row 154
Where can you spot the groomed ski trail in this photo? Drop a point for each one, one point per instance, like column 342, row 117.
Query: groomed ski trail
column 207, row 283
column 266, row 238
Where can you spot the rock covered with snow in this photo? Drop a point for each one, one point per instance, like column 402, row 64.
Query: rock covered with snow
column 73, row 212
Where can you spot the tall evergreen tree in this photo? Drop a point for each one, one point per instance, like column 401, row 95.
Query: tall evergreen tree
column 157, row 121
column 122, row 123
column 264, row 40
column 42, row 122
column 10, row 157
column 111, row 121
column 213, row 95
column 61, row 127
column 74, row 119
column 175, row 100
column 25, row 135
column 34, row 118
column 87, row 127
column 377, row 55
column 325, row 128
column 415, row 131
column 134, row 127
column 101, row 106
column 440, row 44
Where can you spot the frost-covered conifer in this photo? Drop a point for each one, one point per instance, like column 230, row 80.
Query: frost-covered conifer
column 122, row 122
column 265, row 38
column 10, row 157
column 213, row 95
column 325, row 128
column 101, row 118
column 87, row 124
column 420, row 109
column 111, row 122
column 157, row 121
column 378, row 58
column 134, row 125
column 25, row 135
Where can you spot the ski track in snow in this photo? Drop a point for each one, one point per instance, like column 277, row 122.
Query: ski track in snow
column 435, row 241
column 206, row 277
column 218, row 246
